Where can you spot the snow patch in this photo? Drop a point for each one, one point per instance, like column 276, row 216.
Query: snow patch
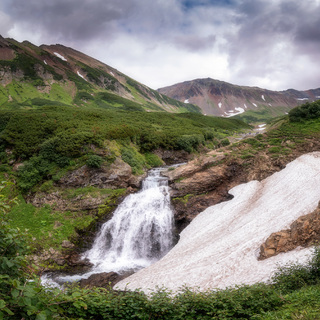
column 60, row 56
column 261, row 127
column 232, row 113
column 112, row 73
column 45, row 62
column 80, row 75
column 220, row 105
column 270, row 104
column 262, row 96
column 245, row 106
column 302, row 99
column 186, row 101
column 218, row 249
column 254, row 104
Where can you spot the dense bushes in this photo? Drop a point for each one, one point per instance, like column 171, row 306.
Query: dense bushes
column 75, row 128
column 305, row 112
column 50, row 136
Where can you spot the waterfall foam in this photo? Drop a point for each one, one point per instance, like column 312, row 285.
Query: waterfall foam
column 140, row 231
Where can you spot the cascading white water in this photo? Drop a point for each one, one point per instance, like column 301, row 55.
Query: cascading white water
column 140, row 231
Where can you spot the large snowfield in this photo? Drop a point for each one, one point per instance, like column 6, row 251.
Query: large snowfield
column 220, row 247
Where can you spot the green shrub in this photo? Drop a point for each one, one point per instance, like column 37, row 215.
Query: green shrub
column 305, row 112
column 153, row 160
column 189, row 142
column 254, row 142
column 3, row 157
column 32, row 172
column 225, row 142
column 48, row 151
column 294, row 276
column 134, row 159
column 274, row 150
column 94, row 161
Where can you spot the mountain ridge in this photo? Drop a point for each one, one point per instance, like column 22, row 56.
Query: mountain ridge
column 221, row 98
column 63, row 74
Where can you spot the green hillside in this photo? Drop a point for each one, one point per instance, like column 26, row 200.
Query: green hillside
column 32, row 75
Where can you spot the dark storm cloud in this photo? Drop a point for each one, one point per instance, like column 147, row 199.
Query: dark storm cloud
column 69, row 20
column 189, row 4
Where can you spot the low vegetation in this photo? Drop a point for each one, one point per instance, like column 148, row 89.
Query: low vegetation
column 293, row 293
column 59, row 138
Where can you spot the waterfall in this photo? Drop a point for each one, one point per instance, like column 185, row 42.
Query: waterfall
column 140, row 231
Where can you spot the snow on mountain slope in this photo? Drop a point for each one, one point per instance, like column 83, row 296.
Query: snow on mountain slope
column 220, row 247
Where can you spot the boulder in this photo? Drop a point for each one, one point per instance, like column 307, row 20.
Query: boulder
column 303, row 232
column 104, row 280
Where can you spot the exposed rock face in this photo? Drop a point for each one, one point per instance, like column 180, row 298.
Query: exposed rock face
column 57, row 202
column 305, row 231
column 69, row 260
column 187, row 208
column 173, row 156
column 118, row 175
column 200, row 175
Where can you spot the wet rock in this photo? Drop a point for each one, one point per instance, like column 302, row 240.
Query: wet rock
column 187, row 208
column 105, row 280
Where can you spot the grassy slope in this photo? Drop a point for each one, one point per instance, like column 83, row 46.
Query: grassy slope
column 58, row 81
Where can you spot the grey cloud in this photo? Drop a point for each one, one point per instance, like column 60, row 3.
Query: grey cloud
column 195, row 42
column 271, row 33
column 69, row 20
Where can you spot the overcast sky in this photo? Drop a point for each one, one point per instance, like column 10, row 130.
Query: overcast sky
column 273, row 44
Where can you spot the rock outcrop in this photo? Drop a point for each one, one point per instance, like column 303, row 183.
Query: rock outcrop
column 118, row 175
column 105, row 280
column 304, row 232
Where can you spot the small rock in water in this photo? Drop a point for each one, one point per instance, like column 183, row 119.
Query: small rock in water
column 104, row 279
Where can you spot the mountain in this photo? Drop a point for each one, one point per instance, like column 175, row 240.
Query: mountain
column 32, row 75
column 224, row 99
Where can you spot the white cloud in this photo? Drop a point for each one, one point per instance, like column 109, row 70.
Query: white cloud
column 162, row 64
column 5, row 23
